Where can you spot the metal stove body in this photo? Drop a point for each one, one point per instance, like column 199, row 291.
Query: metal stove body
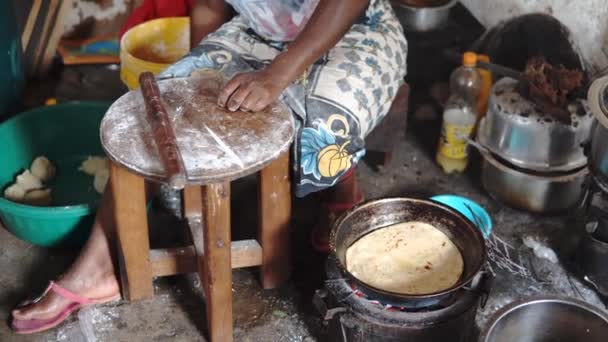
column 353, row 318
column 593, row 249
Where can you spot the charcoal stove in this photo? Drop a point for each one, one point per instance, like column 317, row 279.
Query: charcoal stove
column 357, row 312
column 353, row 317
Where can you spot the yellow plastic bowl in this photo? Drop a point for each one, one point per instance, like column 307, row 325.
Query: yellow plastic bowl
column 153, row 46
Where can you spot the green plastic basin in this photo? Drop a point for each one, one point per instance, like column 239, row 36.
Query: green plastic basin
column 66, row 134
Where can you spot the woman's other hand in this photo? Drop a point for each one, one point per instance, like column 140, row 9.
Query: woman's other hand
column 253, row 91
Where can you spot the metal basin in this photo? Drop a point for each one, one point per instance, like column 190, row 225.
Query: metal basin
column 547, row 320
column 534, row 192
column 422, row 19
column 378, row 214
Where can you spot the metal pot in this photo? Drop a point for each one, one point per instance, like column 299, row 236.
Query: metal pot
column 598, row 102
column 422, row 19
column 547, row 319
column 519, row 133
column 532, row 191
column 378, row 214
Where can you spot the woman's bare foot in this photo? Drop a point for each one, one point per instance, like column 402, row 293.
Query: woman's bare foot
column 91, row 276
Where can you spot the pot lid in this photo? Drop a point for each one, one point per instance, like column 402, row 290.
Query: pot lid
column 598, row 100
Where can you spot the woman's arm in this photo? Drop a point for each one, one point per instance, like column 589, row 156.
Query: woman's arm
column 207, row 16
column 328, row 24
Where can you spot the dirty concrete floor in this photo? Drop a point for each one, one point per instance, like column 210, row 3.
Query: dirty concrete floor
column 176, row 313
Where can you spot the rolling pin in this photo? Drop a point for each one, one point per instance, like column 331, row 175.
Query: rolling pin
column 164, row 136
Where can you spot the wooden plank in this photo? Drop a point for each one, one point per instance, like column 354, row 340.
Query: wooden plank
column 275, row 219
column 54, row 37
column 179, row 260
column 170, row 261
column 132, row 233
column 193, row 201
column 216, row 270
column 246, row 253
column 49, row 18
column 26, row 35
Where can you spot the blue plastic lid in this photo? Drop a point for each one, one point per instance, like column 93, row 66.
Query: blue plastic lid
column 471, row 210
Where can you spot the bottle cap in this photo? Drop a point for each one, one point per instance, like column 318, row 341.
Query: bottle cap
column 469, row 59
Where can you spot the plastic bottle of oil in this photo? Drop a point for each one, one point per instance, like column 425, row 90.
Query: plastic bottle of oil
column 459, row 116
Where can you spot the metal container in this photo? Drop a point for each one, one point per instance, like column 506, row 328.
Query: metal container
column 598, row 102
column 422, row 19
column 378, row 214
column 594, row 257
column 519, row 133
column 352, row 318
column 535, row 192
column 547, row 319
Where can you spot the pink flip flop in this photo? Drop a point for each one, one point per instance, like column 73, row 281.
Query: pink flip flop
column 30, row 326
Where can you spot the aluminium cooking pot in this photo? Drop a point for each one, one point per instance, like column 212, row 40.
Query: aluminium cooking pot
column 598, row 102
column 517, row 131
column 422, row 19
column 381, row 213
column 547, row 319
column 532, row 191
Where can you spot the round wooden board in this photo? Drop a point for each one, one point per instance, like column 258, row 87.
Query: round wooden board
column 216, row 145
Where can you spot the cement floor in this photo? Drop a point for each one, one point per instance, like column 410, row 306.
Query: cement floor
column 176, row 313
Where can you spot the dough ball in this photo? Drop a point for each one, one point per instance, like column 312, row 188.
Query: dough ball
column 93, row 164
column 101, row 180
column 43, row 169
column 40, row 197
column 14, row 193
column 28, row 181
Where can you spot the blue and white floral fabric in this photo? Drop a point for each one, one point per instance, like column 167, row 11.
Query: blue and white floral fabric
column 339, row 100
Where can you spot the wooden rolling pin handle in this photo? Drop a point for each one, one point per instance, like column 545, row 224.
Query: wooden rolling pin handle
column 164, row 136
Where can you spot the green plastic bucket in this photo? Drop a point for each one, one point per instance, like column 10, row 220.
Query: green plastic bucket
column 66, row 134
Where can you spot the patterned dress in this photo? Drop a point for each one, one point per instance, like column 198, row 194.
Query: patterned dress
column 341, row 97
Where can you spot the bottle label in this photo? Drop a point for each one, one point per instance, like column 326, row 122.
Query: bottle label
column 453, row 141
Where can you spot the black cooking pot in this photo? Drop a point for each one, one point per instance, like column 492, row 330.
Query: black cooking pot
column 378, row 214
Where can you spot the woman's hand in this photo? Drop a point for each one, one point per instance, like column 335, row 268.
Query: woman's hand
column 253, row 91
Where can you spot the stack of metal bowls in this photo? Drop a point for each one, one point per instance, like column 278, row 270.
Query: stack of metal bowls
column 531, row 161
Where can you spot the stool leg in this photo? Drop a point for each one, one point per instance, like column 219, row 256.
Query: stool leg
column 132, row 233
column 275, row 217
column 216, row 273
column 193, row 202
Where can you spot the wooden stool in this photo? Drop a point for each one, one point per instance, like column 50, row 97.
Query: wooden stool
column 217, row 147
